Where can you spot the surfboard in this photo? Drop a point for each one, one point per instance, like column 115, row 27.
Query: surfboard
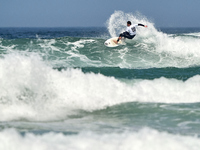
column 110, row 42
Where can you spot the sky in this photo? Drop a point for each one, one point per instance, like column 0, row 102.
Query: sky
column 95, row 13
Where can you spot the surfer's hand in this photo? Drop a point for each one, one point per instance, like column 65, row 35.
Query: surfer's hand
column 145, row 26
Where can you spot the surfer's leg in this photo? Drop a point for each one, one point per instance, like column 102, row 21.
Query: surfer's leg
column 132, row 36
column 128, row 36
column 119, row 38
column 124, row 34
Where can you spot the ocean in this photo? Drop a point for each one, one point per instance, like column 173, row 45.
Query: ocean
column 63, row 89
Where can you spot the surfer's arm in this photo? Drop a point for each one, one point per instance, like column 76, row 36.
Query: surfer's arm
column 139, row 24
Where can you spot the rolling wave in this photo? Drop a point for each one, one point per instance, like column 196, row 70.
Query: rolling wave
column 30, row 89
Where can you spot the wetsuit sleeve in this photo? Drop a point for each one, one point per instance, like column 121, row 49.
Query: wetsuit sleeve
column 140, row 24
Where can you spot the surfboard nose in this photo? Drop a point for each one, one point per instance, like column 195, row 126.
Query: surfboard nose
column 106, row 43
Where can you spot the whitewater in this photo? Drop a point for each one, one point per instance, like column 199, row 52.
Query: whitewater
column 61, row 88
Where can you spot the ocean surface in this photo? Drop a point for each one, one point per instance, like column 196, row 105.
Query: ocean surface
column 63, row 89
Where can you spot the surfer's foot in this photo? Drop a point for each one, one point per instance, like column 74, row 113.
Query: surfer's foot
column 115, row 42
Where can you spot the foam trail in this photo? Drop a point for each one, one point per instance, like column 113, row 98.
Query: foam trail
column 145, row 139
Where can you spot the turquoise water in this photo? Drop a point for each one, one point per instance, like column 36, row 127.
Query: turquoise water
column 61, row 88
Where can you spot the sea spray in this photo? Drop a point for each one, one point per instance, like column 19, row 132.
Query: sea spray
column 165, row 46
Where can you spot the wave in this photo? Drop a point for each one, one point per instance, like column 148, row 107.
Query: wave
column 143, row 139
column 32, row 90
column 150, row 48
column 90, row 52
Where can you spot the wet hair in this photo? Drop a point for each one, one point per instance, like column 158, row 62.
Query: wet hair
column 128, row 22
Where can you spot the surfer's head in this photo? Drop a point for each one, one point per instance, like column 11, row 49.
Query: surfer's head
column 128, row 23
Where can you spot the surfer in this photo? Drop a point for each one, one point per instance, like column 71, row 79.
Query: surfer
column 130, row 31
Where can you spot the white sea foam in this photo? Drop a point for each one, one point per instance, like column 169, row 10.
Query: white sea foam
column 75, row 53
column 145, row 139
column 32, row 90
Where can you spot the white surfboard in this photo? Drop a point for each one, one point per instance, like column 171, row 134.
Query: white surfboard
column 110, row 42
